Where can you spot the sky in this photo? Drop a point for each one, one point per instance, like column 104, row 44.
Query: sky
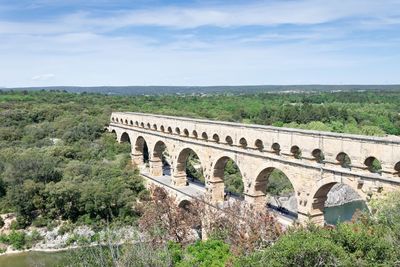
column 203, row 42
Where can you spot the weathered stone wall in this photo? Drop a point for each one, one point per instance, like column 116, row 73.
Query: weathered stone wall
column 251, row 147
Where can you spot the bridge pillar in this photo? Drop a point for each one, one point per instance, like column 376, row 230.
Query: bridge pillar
column 257, row 200
column 156, row 167
column 137, row 159
column 179, row 180
column 216, row 191
column 316, row 214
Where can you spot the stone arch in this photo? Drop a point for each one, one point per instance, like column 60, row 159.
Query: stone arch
column 318, row 155
column 185, row 204
column 276, row 148
column 177, row 131
column 136, row 123
column 155, row 127
column 142, row 124
column 243, row 142
column 140, row 153
column 259, row 144
column 284, row 187
column 180, row 176
column 131, row 122
column 373, row 164
column 397, row 168
column 204, row 136
column 296, row 152
column 218, row 179
column 169, row 129
column 229, row 140
column 216, row 138
column 186, row 132
column 126, row 121
column 319, row 195
column 148, row 125
column 116, row 120
column 162, row 128
column 343, row 160
column 125, row 138
column 112, row 119
column 159, row 161
column 194, row 133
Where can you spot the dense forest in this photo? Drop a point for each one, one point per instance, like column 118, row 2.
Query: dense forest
column 58, row 163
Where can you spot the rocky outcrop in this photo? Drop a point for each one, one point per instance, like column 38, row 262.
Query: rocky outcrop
column 341, row 194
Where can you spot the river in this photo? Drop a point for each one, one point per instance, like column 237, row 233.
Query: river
column 344, row 212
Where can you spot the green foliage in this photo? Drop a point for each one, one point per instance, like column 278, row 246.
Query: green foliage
column 205, row 253
column 17, row 239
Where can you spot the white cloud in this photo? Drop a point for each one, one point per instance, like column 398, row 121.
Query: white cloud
column 43, row 77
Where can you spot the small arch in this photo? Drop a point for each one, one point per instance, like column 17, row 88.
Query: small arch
column 141, row 152
column 125, row 138
column 155, row 127
column 194, row 133
column 397, row 168
column 229, row 140
column 131, row 122
column 126, row 121
column 186, row 132
column 227, row 178
column 243, row 142
column 259, row 144
column 112, row 119
column 318, row 155
column 276, row 148
column 296, row 152
column 373, row 165
column 344, row 160
column 148, row 125
column 189, row 165
column 116, row 120
column 160, row 159
column 142, row 125
column 136, row 123
column 185, row 205
column 204, row 136
column 216, row 138
column 177, row 130
column 169, row 130
column 162, row 128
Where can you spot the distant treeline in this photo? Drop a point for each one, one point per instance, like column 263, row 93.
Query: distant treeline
column 156, row 90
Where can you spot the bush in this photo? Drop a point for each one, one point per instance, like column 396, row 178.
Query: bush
column 17, row 240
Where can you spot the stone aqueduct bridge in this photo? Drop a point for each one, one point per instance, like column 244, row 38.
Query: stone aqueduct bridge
column 257, row 150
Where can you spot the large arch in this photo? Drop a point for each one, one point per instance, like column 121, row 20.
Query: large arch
column 160, row 162
column 319, row 195
column 125, row 138
column 140, row 153
column 275, row 188
column 221, row 184
column 180, row 175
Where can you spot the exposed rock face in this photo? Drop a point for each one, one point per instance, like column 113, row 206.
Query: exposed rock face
column 341, row 194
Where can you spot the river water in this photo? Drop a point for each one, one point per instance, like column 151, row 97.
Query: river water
column 332, row 215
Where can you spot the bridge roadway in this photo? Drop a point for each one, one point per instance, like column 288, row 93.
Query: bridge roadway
column 197, row 191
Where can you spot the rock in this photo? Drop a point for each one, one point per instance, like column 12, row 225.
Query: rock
column 341, row 194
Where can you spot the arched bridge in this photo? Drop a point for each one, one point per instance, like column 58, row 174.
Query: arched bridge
column 313, row 161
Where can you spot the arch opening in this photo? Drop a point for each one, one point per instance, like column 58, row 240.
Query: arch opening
column 125, row 138
column 276, row 148
column 194, row 133
column 186, row 132
column 169, row 129
column 278, row 191
column 162, row 128
column 296, row 152
column 216, row 138
column 204, row 136
column 126, row 121
column 130, row 122
column 177, row 130
column 142, row 124
column 185, row 205
column 160, row 162
column 155, row 127
column 344, row 160
column 373, row 165
column 136, row 123
column 141, row 153
column 397, row 168
column 259, row 145
column 113, row 119
column 243, row 142
column 148, row 125
column 189, row 168
column 229, row 140
column 318, row 155
column 227, row 180
column 337, row 202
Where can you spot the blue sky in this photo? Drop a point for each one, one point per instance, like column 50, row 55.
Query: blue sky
column 122, row 42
